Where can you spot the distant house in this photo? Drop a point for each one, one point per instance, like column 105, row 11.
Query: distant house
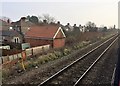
column 46, row 34
column 9, row 36
column 82, row 28
column 76, row 29
column 5, row 25
column 22, row 25
column 68, row 27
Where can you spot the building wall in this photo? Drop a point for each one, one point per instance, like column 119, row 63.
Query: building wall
column 24, row 27
column 38, row 42
column 59, row 35
column 4, row 25
column 16, row 39
column 7, row 38
column 57, row 43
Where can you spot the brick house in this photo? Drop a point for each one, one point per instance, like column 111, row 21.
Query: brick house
column 46, row 34
column 5, row 25
column 22, row 25
column 10, row 36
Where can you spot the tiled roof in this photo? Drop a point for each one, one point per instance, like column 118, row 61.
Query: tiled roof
column 46, row 31
column 23, row 23
column 9, row 33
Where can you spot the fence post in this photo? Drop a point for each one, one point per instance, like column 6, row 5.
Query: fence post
column 17, row 56
column 2, row 59
column 13, row 57
column 32, row 51
column 8, row 58
column 23, row 55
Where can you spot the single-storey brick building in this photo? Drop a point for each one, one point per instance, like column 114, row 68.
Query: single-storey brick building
column 46, row 34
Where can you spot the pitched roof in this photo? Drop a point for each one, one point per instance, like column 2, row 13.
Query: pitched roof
column 45, row 31
column 9, row 33
column 24, row 23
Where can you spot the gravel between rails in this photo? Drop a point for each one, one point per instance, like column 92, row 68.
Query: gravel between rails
column 102, row 72
column 71, row 75
column 36, row 76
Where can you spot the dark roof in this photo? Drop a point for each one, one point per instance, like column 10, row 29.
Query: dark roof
column 9, row 33
column 16, row 23
column 24, row 23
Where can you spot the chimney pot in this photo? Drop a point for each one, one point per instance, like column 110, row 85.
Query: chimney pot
column 68, row 23
column 45, row 21
column 58, row 22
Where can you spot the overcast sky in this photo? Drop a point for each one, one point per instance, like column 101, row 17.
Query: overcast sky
column 102, row 12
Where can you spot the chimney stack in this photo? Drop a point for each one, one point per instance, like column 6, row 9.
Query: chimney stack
column 58, row 22
column 23, row 18
column 68, row 24
column 74, row 25
column 8, row 21
column 45, row 21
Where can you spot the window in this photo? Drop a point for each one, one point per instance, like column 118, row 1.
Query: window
column 15, row 40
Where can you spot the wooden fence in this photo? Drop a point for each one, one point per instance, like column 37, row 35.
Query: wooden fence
column 27, row 52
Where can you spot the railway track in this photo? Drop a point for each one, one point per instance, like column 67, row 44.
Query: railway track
column 73, row 73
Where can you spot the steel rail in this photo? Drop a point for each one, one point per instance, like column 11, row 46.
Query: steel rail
column 93, row 64
column 65, row 68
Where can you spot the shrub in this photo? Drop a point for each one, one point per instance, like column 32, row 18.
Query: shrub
column 58, row 54
column 66, row 51
column 76, row 47
column 81, row 44
column 52, row 56
column 46, row 58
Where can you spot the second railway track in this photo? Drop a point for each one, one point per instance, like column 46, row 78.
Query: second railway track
column 72, row 74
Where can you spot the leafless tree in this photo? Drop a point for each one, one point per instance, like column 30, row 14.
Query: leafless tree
column 48, row 18
column 90, row 24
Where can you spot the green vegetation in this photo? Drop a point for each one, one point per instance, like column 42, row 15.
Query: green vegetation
column 81, row 45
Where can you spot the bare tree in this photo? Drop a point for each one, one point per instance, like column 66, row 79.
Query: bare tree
column 91, row 26
column 48, row 18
